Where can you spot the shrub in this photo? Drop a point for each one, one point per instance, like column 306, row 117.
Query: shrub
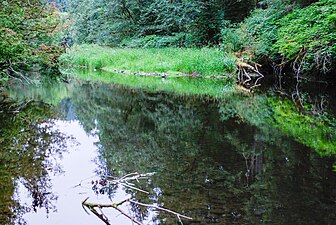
column 231, row 38
column 307, row 37
column 259, row 30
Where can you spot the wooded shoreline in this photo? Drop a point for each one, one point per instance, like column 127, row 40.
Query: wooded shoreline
column 284, row 36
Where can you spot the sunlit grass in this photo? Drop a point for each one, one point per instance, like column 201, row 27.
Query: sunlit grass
column 205, row 61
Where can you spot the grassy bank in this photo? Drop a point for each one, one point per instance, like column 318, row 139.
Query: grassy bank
column 205, row 61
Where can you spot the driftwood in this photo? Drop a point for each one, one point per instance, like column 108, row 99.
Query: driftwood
column 125, row 181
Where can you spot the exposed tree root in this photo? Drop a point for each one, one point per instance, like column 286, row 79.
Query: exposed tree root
column 248, row 74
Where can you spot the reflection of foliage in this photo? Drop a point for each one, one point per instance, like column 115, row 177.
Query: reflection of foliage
column 317, row 132
column 286, row 174
column 272, row 114
column 218, row 162
column 182, row 85
column 295, row 187
column 28, row 151
column 49, row 91
column 155, row 132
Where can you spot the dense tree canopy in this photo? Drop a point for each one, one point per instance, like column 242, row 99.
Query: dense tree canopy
column 254, row 29
column 182, row 22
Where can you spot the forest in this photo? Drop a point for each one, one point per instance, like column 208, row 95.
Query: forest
column 294, row 37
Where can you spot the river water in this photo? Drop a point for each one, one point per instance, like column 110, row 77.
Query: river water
column 237, row 160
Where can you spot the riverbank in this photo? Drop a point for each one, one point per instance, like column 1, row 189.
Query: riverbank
column 196, row 71
column 172, row 61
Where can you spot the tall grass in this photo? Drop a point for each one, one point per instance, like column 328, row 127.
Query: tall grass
column 205, row 61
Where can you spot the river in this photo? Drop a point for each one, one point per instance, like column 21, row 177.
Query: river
column 237, row 160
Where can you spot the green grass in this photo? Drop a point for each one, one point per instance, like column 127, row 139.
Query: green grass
column 179, row 85
column 205, row 61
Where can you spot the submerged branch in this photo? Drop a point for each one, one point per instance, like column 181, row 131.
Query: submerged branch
column 109, row 180
column 102, row 216
column 162, row 209
column 124, row 181
column 92, row 207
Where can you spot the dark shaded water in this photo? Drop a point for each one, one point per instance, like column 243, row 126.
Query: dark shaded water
column 230, row 161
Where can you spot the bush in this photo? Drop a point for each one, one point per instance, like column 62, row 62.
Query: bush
column 231, row 40
column 307, row 38
column 261, row 27
column 283, row 33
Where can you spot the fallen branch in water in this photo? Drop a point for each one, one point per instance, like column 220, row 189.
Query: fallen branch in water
column 101, row 215
column 96, row 208
column 161, row 209
column 92, row 207
column 125, row 180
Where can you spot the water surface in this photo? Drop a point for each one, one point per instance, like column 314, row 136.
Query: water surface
column 227, row 161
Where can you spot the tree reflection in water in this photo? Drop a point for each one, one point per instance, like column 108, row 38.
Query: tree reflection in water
column 228, row 161
column 221, row 162
column 30, row 147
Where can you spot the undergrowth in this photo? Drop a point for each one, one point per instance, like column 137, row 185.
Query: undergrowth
column 286, row 35
column 307, row 37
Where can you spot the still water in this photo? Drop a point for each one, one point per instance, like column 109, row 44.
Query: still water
column 237, row 160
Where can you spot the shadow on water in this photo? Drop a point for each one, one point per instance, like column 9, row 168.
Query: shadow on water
column 236, row 160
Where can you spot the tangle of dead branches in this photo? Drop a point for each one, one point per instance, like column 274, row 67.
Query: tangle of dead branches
column 248, row 74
